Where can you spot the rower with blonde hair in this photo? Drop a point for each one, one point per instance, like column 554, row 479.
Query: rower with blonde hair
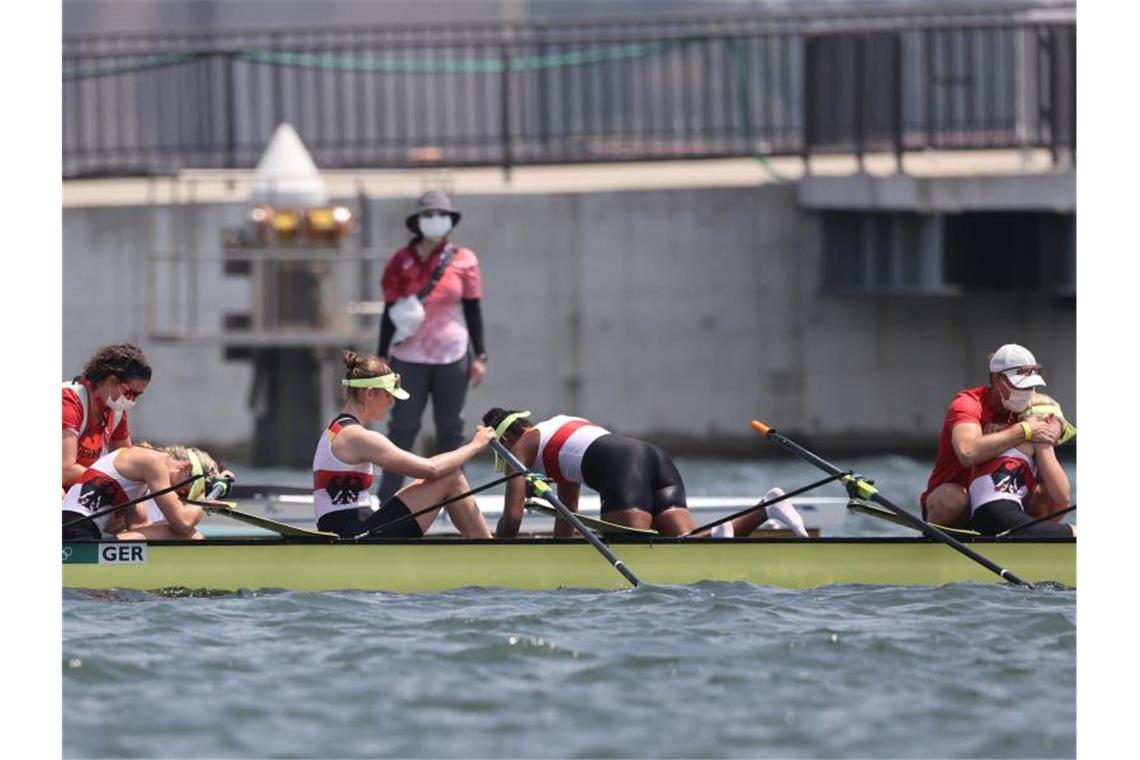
column 126, row 475
column 347, row 453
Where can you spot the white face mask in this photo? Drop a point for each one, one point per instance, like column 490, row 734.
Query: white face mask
column 435, row 227
column 121, row 404
column 1018, row 400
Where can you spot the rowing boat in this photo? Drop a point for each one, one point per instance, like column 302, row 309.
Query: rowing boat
column 315, row 563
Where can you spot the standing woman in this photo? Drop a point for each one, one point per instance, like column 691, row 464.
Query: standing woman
column 432, row 328
column 95, row 407
column 347, row 452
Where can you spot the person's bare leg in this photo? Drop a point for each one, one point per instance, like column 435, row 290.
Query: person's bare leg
column 674, row 521
column 464, row 514
column 631, row 517
column 948, row 505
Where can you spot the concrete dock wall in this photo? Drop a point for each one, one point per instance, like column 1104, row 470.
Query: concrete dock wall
column 678, row 314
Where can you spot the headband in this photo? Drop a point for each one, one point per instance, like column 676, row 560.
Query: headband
column 199, row 484
column 501, row 430
column 389, row 382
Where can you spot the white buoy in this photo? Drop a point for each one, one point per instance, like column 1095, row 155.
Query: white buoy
column 286, row 176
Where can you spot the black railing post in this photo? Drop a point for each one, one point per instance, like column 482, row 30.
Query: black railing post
column 808, row 98
column 857, row 106
column 505, row 86
column 899, row 94
column 229, row 59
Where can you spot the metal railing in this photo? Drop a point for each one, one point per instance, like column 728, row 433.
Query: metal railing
column 996, row 76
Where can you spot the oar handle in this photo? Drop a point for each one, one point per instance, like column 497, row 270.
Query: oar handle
column 760, row 427
column 546, row 492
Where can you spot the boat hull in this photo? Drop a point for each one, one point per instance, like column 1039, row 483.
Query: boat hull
column 429, row 565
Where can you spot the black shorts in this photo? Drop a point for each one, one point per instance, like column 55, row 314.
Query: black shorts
column 996, row 516
column 346, row 523
column 628, row 473
column 84, row 531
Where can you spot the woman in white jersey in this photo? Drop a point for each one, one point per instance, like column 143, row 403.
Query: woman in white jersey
column 638, row 483
column 124, row 475
column 348, row 451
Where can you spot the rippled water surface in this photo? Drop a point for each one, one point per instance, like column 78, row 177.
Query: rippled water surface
column 710, row 670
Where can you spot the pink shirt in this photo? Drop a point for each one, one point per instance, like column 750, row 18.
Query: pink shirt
column 442, row 338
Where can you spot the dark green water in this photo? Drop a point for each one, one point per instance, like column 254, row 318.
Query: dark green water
column 711, row 670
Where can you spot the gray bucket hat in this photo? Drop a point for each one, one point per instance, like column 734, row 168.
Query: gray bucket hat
column 432, row 200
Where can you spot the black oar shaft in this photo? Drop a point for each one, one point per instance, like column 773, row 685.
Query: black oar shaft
column 762, row 504
column 433, row 507
column 868, row 492
column 569, row 516
column 132, row 502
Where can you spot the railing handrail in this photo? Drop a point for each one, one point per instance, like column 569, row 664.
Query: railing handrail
column 803, row 19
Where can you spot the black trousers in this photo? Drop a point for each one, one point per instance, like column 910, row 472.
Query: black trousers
column 446, row 384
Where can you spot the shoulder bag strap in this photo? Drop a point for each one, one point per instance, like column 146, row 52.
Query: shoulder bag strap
column 444, row 259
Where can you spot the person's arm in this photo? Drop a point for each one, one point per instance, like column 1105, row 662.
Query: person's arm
column 120, row 436
column 149, row 466
column 72, row 470
column 474, row 317
column 1052, row 476
column 568, row 495
column 511, row 518
column 387, row 330
column 972, row 446
column 369, row 446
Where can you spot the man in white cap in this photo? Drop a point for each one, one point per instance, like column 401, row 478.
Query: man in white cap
column 980, row 424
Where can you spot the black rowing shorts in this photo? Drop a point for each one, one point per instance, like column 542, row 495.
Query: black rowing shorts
column 84, row 531
column 996, row 516
column 628, row 473
column 346, row 523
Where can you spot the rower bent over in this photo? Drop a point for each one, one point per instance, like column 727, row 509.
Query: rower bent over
column 638, row 483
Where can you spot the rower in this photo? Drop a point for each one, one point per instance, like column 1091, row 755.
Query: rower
column 980, row 424
column 127, row 475
column 347, row 451
column 638, row 482
column 998, row 488
column 95, row 407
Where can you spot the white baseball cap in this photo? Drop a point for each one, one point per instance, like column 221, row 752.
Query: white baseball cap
column 1018, row 365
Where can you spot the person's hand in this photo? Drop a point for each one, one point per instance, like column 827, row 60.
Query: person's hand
column 477, row 372
column 482, row 438
column 1045, row 430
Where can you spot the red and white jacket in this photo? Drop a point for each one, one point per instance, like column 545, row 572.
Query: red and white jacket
column 1010, row 476
column 100, row 487
column 336, row 484
column 95, row 431
column 562, row 443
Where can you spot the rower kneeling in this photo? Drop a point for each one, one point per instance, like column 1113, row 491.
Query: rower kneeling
column 128, row 475
column 347, row 453
column 637, row 482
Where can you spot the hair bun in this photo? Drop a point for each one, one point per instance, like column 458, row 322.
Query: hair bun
column 350, row 359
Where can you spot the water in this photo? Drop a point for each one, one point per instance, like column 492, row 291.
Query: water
column 711, row 670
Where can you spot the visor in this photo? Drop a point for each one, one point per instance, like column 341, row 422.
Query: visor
column 389, row 383
column 198, row 487
column 501, row 430
column 1024, row 377
column 1068, row 432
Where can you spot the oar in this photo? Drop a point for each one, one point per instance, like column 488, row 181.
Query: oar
column 1043, row 518
column 750, row 510
column 872, row 510
column 544, row 491
column 444, row 503
column 133, row 502
column 859, row 488
column 229, row 509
